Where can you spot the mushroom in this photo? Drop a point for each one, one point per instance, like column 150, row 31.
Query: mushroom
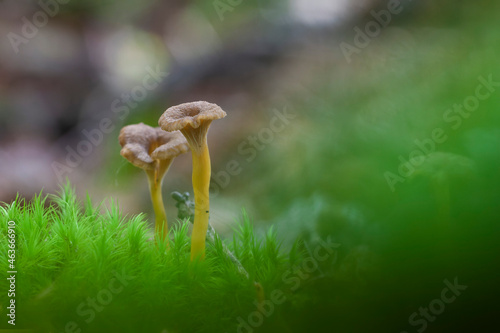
column 153, row 150
column 441, row 168
column 193, row 120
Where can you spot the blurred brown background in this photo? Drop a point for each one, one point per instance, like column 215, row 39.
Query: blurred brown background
column 65, row 66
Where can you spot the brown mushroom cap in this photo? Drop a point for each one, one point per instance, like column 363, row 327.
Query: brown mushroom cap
column 443, row 164
column 143, row 144
column 136, row 141
column 193, row 114
column 175, row 144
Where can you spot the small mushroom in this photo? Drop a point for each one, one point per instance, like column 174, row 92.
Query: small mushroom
column 153, row 150
column 193, row 120
column 441, row 168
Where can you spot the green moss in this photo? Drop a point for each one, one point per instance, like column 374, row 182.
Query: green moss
column 71, row 254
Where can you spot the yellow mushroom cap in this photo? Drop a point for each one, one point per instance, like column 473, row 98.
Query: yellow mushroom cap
column 189, row 114
column 143, row 144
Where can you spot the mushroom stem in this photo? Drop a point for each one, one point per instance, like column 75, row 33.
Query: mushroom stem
column 201, row 184
column 442, row 190
column 155, row 180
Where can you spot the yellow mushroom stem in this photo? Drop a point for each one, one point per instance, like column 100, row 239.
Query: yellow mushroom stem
column 261, row 295
column 201, row 183
column 155, row 179
column 197, row 139
column 442, row 192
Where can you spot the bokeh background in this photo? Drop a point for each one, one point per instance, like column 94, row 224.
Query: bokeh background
column 348, row 119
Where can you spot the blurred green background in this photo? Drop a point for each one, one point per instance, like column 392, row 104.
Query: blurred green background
column 321, row 139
